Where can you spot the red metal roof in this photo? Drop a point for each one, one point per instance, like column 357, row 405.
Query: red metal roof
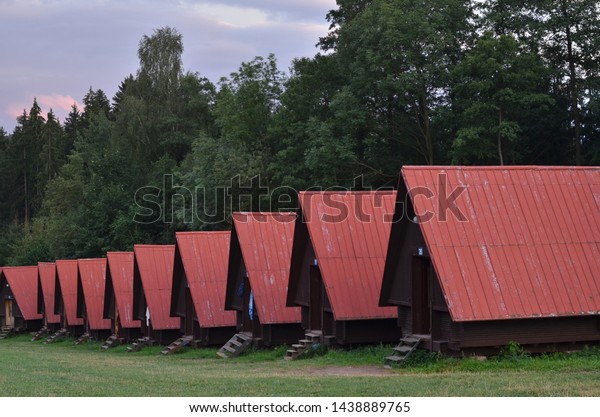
column 266, row 242
column 155, row 265
column 204, row 256
column 92, row 273
column 47, row 271
column 66, row 271
column 23, row 282
column 349, row 232
column 120, row 267
column 529, row 245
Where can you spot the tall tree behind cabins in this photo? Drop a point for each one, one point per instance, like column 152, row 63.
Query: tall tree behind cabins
column 24, row 152
column 240, row 148
column 591, row 125
column 52, row 155
column 398, row 55
column 73, row 125
column 498, row 93
column 158, row 115
column 303, row 160
column 566, row 33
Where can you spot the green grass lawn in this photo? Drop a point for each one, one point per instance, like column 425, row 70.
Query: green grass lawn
column 63, row 369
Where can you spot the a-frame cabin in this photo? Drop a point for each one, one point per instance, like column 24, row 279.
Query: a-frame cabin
column 257, row 278
column 118, row 298
column 46, row 297
column 152, row 287
column 199, row 280
column 91, row 282
column 340, row 243
column 19, row 295
column 483, row 256
column 65, row 298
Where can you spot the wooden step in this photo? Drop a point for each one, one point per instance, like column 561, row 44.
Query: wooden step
column 236, row 345
column 403, row 349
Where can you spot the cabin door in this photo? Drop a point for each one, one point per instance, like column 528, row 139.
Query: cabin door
column 246, row 319
column 189, row 312
column 421, row 295
column 8, row 314
column 117, row 318
column 316, row 298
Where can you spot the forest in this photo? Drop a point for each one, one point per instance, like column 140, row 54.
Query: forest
column 421, row 82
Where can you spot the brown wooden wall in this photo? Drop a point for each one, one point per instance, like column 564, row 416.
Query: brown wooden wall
column 530, row 331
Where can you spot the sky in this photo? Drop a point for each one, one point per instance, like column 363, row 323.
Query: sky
column 55, row 50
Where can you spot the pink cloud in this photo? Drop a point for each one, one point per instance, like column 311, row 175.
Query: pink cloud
column 60, row 105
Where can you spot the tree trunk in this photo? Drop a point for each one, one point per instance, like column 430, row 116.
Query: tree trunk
column 425, row 129
column 500, row 137
column 576, row 116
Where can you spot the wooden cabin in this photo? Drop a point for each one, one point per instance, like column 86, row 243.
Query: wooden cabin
column 257, row 277
column 46, row 296
column 199, row 280
column 91, row 282
column 483, row 256
column 118, row 296
column 65, row 297
column 340, row 243
column 19, row 295
column 152, row 286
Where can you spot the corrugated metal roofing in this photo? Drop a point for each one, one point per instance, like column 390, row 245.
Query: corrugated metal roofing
column 204, row 256
column 92, row 273
column 529, row 246
column 349, row 232
column 23, row 282
column 47, row 271
column 155, row 265
column 66, row 270
column 266, row 242
column 120, row 266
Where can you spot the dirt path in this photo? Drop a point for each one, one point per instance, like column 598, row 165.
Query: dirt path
column 367, row 370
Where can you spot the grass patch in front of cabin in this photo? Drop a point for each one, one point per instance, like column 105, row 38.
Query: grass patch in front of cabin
column 64, row 369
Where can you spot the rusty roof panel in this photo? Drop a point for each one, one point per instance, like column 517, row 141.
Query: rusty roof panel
column 47, row 271
column 92, row 273
column 204, row 256
column 349, row 232
column 529, row 243
column 120, row 270
column 23, row 282
column 155, row 265
column 66, row 271
column 266, row 241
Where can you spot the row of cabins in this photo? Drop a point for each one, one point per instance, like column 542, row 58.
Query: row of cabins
column 457, row 259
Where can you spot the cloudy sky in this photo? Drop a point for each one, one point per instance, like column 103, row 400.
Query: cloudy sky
column 56, row 50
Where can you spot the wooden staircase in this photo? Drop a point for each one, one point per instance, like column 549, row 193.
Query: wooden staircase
column 236, row 345
column 83, row 338
column 38, row 335
column 311, row 338
column 176, row 345
column 56, row 336
column 139, row 344
column 405, row 348
column 6, row 332
column 111, row 342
